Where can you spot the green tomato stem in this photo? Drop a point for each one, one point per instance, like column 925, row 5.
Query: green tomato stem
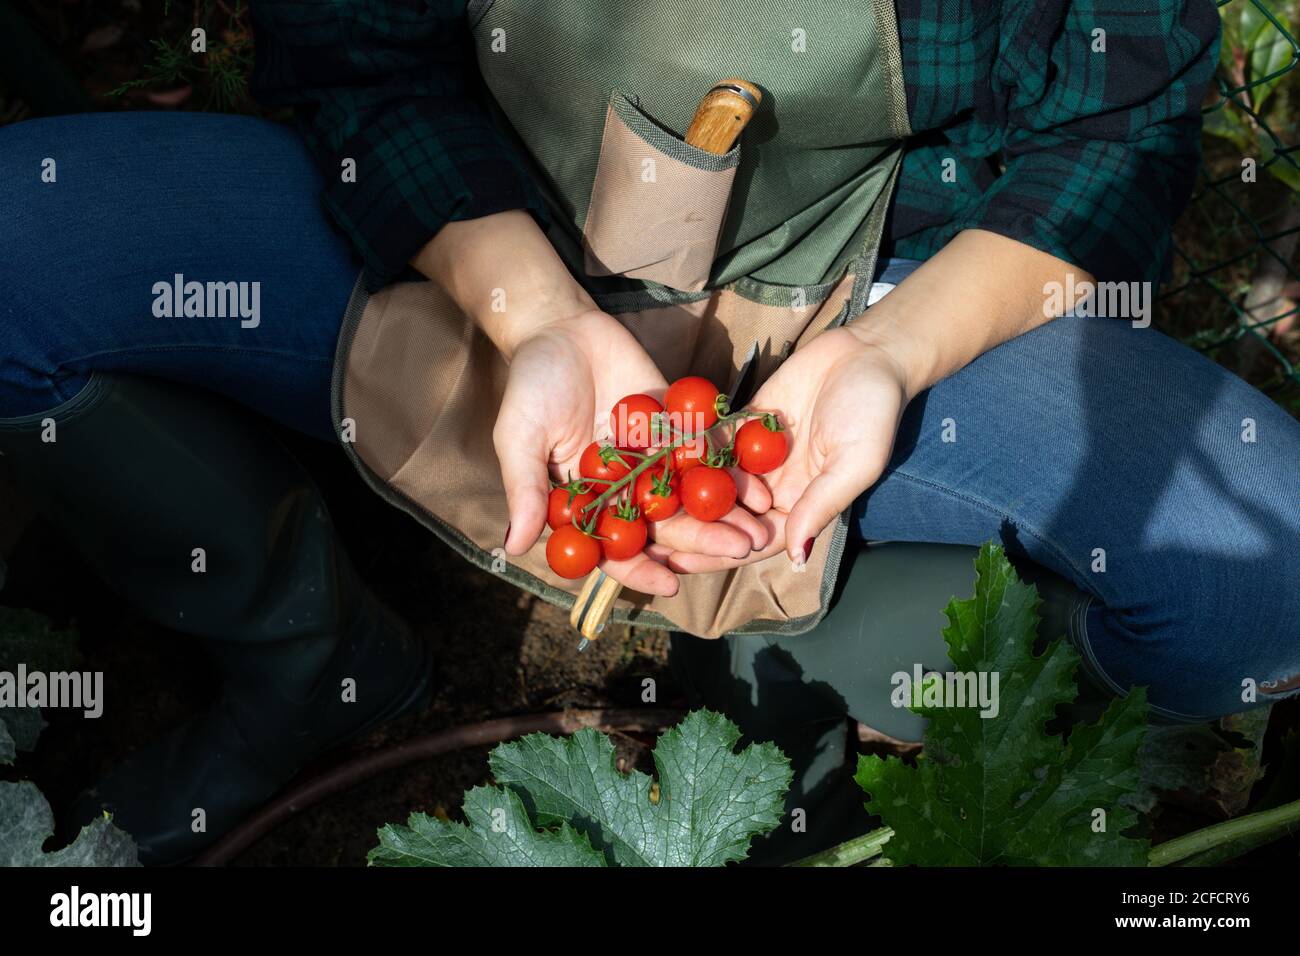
column 648, row 461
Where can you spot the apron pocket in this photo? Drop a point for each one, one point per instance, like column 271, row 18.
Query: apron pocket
column 657, row 204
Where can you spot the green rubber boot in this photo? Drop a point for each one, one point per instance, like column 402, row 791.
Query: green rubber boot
column 205, row 523
column 798, row 690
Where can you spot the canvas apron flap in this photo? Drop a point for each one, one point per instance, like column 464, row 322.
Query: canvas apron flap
column 699, row 256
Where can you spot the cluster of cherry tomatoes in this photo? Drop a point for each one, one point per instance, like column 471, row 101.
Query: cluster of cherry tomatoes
column 664, row 461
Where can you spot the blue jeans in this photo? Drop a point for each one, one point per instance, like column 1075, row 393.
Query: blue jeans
column 139, row 198
column 1082, row 437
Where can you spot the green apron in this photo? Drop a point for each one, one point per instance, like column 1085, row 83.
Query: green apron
column 701, row 257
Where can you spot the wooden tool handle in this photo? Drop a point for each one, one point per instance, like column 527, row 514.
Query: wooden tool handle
column 592, row 607
column 718, row 122
column 722, row 115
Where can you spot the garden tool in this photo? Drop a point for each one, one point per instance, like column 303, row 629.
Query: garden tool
column 717, row 124
column 203, row 521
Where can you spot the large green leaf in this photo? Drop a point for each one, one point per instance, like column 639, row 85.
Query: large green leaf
column 564, row 799
column 1000, row 790
column 26, row 822
column 499, row 834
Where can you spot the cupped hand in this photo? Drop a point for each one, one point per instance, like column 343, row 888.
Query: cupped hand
column 564, row 378
column 840, row 400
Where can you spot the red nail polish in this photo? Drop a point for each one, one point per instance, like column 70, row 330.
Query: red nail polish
column 807, row 548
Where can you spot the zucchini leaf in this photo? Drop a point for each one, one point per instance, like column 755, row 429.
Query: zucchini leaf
column 26, row 822
column 1000, row 789
column 563, row 801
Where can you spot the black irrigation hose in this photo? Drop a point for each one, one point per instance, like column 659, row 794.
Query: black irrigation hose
column 353, row 772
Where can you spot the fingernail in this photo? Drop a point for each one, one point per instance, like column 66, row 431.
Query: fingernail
column 799, row 560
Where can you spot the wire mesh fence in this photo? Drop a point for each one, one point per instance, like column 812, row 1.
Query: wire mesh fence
column 1235, row 288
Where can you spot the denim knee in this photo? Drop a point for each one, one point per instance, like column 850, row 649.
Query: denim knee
column 1209, row 617
column 33, row 210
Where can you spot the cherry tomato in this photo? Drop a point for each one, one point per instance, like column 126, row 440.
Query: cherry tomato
column 623, row 537
column 592, row 465
column 708, row 493
column 564, row 504
column 690, row 404
column 689, row 454
column 571, row 553
column 658, row 499
column 761, row 445
column 631, row 422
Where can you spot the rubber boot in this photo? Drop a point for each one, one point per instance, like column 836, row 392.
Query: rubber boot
column 196, row 514
column 797, row 690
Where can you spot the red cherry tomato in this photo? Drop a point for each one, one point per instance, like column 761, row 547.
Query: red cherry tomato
column 593, row 465
column 689, row 454
column 570, row 553
column 623, row 538
column 708, row 493
column 690, row 403
column 658, row 499
column 761, row 445
column 631, row 422
column 563, row 504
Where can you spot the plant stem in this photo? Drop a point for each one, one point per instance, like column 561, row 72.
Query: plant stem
column 1248, row 832
column 649, row 460
column 851, row 853
column 627, row 479
column 1254, row 829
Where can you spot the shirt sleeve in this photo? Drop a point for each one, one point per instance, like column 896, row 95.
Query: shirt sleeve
column 393, row 87
column 1098, row 105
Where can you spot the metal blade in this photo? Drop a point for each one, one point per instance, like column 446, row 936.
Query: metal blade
column 744, row 389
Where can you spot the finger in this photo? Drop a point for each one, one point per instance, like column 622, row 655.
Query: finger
column 522, row 454
column 658, row 552
column 825, row 497
column 751, row 491
column 643, row 574
column 747, row 524
column 684, row 533
column 685, row 562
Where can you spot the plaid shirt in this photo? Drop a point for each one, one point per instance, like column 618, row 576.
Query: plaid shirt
column 1023, row 123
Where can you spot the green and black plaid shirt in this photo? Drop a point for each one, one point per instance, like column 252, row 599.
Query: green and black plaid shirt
column 1080, row 143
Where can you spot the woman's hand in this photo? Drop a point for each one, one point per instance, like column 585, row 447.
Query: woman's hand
column 843, row 394
column 560, row 376
column 840, row 399
column 569, row 364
